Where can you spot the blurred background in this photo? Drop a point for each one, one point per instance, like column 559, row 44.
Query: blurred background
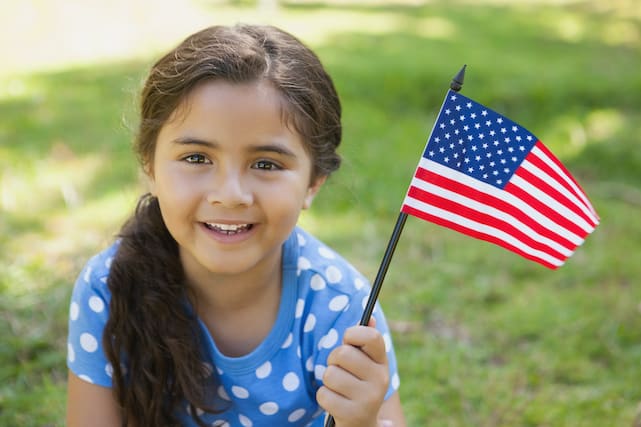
column 483, row 337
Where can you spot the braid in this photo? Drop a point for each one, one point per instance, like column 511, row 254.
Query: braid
column 150, row 330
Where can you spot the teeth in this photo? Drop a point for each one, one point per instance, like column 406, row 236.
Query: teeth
column 228, row 228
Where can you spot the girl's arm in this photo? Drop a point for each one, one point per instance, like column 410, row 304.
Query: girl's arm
column 90, row 405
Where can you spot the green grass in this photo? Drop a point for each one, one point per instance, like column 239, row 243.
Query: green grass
column 483, row 337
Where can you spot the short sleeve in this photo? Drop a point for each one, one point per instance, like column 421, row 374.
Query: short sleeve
column 88, row 314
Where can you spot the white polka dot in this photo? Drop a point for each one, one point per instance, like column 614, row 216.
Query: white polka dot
column 301, row 239
column 220, row 371
column 264, row 370
column 326, row 252
column 319, row 371
column 300, row 307
column 329, row 340
column 220, row 423
column 388, row 341
column 268, row 408
column 298, row 352
column 74, row 311
column 303, row 263
column 359, row 283
column 87, row 275
column 88, row 342
column 310, row 323
column 96, row 304
column 240, row 392
column 365, row 299
column 396, row 381
column 109, row 370
column 246, row 422
column 108, row 262
column 309, row 364
column 296, row 415
column 291, row 382
column 103, row 279
column 317, row 283
column 333, row 274
column 85, row 378
column 288, row 341
column 71, row 353
column 338, row 303
column 223, row 393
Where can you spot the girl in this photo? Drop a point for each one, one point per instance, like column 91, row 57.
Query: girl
column 213, row 308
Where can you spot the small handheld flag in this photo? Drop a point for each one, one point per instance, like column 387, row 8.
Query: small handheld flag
column 486, row 176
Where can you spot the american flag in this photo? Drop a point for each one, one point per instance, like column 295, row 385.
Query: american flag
column 485, row 176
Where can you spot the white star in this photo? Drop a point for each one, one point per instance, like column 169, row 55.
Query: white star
column 503, row 130
column 470, row 170
column 499, row 181
column 481, row 136
column 466, row 127
column 476, row 125
column 507, row 140
column 514, row 128
column 453, row 97
column 470, row 137
column 462, row 117
column 473, row 115
column 452, row 121
column 499, row 120
column 442, row 125
column 488, row 123
column 469, row 105
column 447, row 136
column 458, row 108
column 437, row 139
column 431, row 153
column 447, row 111
column 484, row 112
column 446, row 160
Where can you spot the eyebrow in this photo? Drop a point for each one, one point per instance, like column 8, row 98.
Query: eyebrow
column 273, row 148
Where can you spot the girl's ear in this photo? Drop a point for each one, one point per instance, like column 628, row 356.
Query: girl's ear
column 312, row 190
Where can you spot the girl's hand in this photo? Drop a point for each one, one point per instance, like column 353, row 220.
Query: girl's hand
column 356, row 378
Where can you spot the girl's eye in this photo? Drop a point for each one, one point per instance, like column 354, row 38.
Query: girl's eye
column 266, row 165
column 195, row 158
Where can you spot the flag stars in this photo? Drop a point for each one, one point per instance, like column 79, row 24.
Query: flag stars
column 492, row 133
column 503, row 130
column 518, row 138
column 499, row 120
column 476, row 125
column 473, row 115
column 442, row 149
column 448, row 111
column 481, row 136
column 442, row 125
column 468, row 105
column 452, row 121
column 462, row 117
column 466, row 128
column 453, row 97
column 484, row 113
column 529, row 138
column 457, row 108
column 515, row 129
column 507, row 140
column 470, row 137
column 437, row 139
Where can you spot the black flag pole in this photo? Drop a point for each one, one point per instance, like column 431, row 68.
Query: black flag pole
column 455, row 85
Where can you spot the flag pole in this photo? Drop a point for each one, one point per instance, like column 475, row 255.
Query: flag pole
column 455, row 85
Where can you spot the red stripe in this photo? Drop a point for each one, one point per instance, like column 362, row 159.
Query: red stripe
column 473, row 233
column 483, row 218
column 554, row 193
column 498, row 203
column 577, row 191
column 545, row 210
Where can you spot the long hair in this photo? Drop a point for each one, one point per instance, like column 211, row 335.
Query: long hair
column 152, row 338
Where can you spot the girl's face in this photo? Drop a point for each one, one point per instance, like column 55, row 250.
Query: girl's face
column 231, row 179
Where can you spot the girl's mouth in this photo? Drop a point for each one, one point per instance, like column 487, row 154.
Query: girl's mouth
column 228, row 229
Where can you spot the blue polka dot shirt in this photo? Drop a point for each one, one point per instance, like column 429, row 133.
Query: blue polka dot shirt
column 276, row 383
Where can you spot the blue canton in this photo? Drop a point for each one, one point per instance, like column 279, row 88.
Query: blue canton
column 477, row 141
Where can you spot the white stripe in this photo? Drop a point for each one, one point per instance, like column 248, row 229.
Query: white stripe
column 551, row 202
column 491, row 211
column 511, row 199
column 482, row 228
column 586, row 206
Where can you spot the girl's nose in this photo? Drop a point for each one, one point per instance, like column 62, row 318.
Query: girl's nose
column 230, row 189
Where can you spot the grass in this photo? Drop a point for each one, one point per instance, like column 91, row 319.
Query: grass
column 483, row 337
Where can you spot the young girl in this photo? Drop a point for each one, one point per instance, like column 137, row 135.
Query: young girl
column 213, row 308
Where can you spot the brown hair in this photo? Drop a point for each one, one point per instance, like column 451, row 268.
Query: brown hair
column 151, row 337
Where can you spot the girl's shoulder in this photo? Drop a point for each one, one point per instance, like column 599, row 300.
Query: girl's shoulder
column 323, row 267
column 93, row 277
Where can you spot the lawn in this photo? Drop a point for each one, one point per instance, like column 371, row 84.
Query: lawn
column 484, row 338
